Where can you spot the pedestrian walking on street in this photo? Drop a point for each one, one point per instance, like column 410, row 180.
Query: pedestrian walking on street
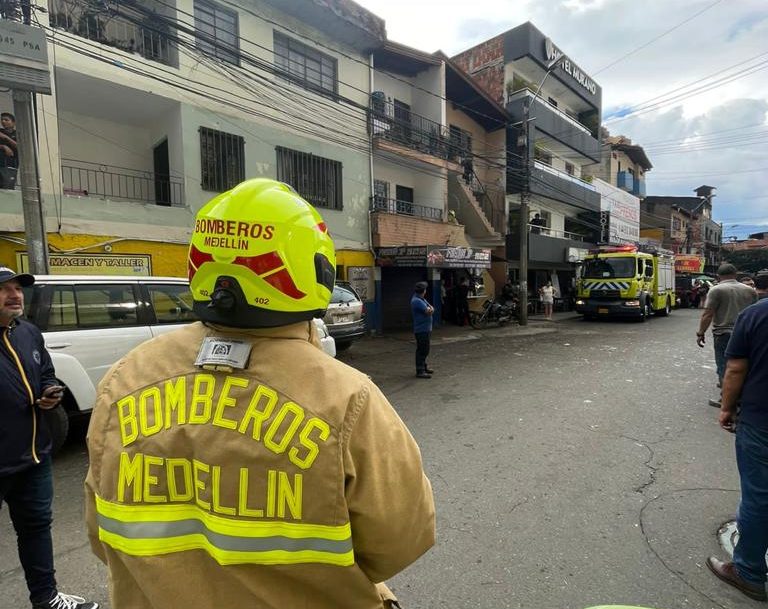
column 746, row 384
column 422, row 311
column 28, row 386
column 724, row 303
column 233, row 464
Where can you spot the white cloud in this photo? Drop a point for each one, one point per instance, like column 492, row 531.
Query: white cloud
column 595, row 33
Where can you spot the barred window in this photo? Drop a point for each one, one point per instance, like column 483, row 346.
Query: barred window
column 306, row 66
column 316, row 179
column 222, row 160
column 217, row 31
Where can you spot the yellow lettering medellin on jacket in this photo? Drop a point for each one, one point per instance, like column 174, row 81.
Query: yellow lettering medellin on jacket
column 231, row 403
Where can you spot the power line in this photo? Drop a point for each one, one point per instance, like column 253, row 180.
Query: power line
column 652, row 40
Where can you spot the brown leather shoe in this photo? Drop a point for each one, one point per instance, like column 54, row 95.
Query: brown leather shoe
column 727, row 572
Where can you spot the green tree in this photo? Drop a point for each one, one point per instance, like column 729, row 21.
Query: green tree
column 748, row 261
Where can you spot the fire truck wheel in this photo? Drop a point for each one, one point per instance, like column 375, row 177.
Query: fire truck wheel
column 667, row 309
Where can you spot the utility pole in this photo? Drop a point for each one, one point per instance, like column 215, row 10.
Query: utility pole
column 31, row 199
column 525, row 203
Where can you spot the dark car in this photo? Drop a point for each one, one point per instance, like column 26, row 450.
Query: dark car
column 345, row 316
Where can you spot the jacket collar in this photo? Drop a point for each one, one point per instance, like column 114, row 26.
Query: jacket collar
column 304, row 330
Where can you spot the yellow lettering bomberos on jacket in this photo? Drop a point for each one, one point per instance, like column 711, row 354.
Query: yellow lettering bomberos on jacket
column 290, row 482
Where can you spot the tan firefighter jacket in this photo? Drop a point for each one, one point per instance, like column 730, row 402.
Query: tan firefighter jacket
column 288, row 484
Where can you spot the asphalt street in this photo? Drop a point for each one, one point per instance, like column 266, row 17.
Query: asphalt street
column 573, row 463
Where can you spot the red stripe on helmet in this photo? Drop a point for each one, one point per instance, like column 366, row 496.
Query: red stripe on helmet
column 263, row 263
column 196, row 259
column 283, row 281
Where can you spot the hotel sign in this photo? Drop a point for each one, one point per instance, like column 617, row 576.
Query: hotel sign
column 552, row 53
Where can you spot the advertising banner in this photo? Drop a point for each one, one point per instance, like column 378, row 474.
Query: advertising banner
column 435, row 256
column 620, row 213
column 689, row 264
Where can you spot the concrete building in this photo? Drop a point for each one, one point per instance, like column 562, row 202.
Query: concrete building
column 623, row 164
column 161, row 104
column 564, row 139
column 438, row 163
column 684, row 225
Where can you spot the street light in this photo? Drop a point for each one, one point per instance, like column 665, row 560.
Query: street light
column 525, row 195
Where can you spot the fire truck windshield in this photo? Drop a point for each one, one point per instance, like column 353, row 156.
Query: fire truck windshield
column 601, row 268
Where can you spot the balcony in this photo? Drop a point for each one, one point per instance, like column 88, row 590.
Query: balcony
column 551, row 247
column 133, row 29
column 85, row 179
column 625, row 181
column 554, row 184
column 392, row 123
column 406, row 208
column 554, row 123
column 639, row 188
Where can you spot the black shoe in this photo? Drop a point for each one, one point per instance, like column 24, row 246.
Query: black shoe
column 429, row 370
column 714, row 403
column 423, row 375
column 66, row 601
column 727, row 572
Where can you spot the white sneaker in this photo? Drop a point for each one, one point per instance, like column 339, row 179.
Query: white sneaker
column 66, row 601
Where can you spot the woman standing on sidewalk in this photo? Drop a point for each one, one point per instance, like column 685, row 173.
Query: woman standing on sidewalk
column 547, row 294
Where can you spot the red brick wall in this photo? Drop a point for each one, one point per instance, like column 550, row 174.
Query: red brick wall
column 390, row 230
column 485, row 64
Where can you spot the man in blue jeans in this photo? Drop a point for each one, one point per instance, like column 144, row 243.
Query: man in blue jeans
column 27, row 386
column 724, row 303
column 422, row 328
column 746, row 382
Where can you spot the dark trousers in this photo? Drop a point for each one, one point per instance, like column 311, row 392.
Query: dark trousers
column 29, row 494
column 422, row 350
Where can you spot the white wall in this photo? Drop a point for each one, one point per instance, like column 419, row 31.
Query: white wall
column 428, row 98
column 399, row 87
column 428, row 190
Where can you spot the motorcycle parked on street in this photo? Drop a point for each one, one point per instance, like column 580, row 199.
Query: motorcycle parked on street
column 492, row 311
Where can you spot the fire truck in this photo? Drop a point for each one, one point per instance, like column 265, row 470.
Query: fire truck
column 626, row 281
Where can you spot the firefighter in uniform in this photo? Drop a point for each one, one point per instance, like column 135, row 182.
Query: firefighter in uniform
column 232, row 462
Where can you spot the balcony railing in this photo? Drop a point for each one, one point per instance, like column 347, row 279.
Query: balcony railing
column 566, row 117
column 117, row 25
column 564, row 175
column 87, row 179
column 395, row 124
column 551, row 232
column 405, row 208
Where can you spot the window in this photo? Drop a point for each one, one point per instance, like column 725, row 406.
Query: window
column 315, row 178
column 216, row 31
column 172, row 303
column 222, row 160
column 93, row 306
column 570, row 169
column 380, row 191
column 305, row 65
column 404, row 203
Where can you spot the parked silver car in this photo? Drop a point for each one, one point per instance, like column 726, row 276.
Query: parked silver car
column 345, row 316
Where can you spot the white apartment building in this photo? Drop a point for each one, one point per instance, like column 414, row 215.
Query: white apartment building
column 159, row 105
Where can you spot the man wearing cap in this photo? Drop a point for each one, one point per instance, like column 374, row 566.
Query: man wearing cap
column 724, row 303
column 27, row 386
column 422, row 328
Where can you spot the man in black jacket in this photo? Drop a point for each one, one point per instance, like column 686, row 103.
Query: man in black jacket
column 27, row 386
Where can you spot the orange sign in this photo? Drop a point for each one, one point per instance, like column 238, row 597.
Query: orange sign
column 689, row 264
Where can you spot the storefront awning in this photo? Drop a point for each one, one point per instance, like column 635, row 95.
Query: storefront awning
column 434, row 256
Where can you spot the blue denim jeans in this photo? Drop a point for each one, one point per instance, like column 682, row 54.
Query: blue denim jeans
column 752, row 460
column 720, row 342
column 29, row 494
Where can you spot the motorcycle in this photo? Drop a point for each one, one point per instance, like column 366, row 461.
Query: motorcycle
column 491, row 311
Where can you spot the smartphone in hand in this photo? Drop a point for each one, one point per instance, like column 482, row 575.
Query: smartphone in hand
column 53, row 391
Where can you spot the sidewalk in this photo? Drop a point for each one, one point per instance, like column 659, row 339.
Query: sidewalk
column 450, row 333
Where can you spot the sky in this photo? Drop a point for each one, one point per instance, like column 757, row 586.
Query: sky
column 685, row 79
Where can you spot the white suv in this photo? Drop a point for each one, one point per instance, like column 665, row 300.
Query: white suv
column 90, row 321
